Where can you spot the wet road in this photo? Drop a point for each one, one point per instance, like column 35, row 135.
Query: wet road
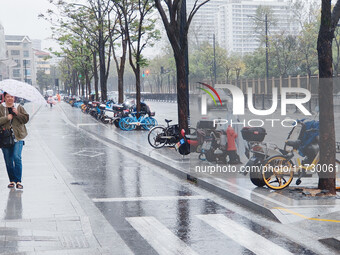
column 153, row 211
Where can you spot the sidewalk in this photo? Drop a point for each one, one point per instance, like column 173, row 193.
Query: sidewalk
column 283, row 206
column 46, row 217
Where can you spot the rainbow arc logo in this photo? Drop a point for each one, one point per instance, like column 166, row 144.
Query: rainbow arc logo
column 209, row 93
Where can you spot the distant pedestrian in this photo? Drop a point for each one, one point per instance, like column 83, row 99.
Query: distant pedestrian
column 231, row 149
column 50, row 101
column 15, row 118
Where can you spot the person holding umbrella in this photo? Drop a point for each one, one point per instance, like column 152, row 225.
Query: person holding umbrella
column 15, row 118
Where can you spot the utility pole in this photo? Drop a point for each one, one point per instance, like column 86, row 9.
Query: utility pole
column 267, row 64
column 25, row 63
column 215, row 74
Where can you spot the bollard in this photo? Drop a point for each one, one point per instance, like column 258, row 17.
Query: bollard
column 263, row 101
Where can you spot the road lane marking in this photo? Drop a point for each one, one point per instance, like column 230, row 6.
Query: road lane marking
column 128, row 199
column 159, row 237
column 303, row 216
column 245, row 237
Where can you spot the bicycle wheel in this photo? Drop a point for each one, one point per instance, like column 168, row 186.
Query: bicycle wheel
column 156, row 137
column 146, row 123
column 153, row 122
column 127, row 122
column 277, row 172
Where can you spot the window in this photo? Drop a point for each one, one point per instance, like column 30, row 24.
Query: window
column 13, row 43
column 16, row 72
column 28, row 62
column 15, row 52
column 18, row 62
column 26, row 53
column 28, row 71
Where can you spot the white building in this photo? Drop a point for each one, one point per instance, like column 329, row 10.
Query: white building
column 202, row 27
column 19, row 49
column 236, row 23
column 233, row 25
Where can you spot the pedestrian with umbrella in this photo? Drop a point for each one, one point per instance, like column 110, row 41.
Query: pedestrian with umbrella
column 14, row 119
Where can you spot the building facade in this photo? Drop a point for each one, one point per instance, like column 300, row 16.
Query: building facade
column 236, row 21
column 42, row 61
column 202, row 27
column 233, row 23
column 19, row 49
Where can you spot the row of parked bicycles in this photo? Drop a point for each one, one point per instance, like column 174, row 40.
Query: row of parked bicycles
column 123, row 116
column 268, row 165
column 210, row 143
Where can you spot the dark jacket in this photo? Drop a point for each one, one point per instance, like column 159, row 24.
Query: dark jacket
column 18, row 122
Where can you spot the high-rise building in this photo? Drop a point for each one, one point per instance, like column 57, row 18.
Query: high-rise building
column 19, row 49
column 202, row 27
column 233, row 22
column 236, row 23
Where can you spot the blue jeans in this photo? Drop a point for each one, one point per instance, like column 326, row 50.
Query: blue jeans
column 12, row 158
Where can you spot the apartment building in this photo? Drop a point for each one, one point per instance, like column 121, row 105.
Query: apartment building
column 203, row 27
column 42, row 61
column 232, row 22
column 19, row 49
column 236, row 23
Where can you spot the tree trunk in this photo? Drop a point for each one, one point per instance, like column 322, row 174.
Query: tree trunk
column 120, row 86
column 182, row 97
column 326, row 114
column 137, row 74
column 95, row 75
column 88, row 84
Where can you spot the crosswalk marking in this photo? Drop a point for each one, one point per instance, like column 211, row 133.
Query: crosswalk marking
column 159, row 237
column 245, row 237
column 159, row 198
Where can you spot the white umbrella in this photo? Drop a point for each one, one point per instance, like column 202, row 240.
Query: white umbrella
column 23, row 90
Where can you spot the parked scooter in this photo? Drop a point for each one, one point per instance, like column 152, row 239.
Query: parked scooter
column 259, row 153
column 214, row 147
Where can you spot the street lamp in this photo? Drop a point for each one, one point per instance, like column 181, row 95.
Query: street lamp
column 267, row 61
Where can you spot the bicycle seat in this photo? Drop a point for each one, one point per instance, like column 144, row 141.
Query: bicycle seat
column 167, row 121
column 294, row 143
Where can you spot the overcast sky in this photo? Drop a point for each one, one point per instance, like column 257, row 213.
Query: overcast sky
column 20, row 17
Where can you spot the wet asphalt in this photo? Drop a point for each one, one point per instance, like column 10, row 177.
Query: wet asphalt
column 125, row 187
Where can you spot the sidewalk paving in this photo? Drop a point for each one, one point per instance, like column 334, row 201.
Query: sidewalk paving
column 283, row 206
column 46, row 217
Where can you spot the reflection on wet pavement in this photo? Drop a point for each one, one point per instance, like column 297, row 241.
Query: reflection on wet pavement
column 104, row 171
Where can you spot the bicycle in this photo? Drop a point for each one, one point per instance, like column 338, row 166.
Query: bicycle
column 278, row 171
column 131, row 123
column 159, row 136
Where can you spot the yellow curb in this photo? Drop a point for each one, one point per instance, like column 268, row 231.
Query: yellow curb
column 303, row 216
